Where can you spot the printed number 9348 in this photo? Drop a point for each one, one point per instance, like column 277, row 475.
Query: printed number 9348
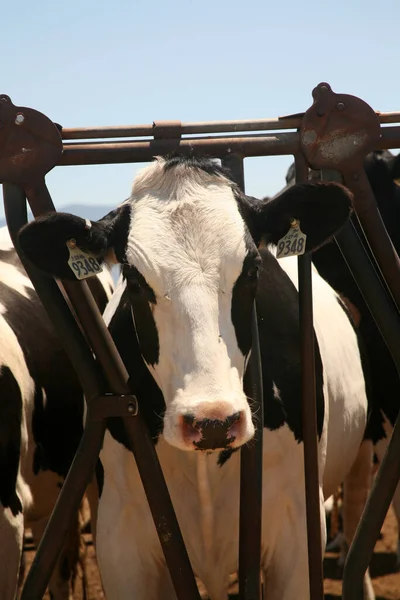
column 85, row 266
column 290, row 247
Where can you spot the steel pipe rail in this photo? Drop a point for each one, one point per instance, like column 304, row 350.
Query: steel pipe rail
column 142, row 151
column 285, row 122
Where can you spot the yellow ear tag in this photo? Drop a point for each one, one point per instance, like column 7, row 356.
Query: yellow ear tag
column 293, row 243
column 82, row 264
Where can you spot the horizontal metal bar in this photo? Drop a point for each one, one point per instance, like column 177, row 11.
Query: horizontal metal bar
column 246, row 146
column 289, row 122
column 87, row 154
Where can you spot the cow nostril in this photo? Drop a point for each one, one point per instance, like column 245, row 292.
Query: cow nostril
column 190, row 429
column 232, row 419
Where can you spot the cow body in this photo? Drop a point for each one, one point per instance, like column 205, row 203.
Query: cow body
column 190, row 246
column 126, row 534
column 41, row 420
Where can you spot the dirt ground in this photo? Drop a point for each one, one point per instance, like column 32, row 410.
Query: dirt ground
column 386, row 582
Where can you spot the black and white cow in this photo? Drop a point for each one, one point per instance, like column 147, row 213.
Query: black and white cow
column 41, row 421
column 383, row 172
column 190, row 247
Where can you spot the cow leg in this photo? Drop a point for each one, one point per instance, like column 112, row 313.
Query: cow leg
column 356, row 489
column 128, row 551
column 286, row 572
column 11, row 545
column 62, row 581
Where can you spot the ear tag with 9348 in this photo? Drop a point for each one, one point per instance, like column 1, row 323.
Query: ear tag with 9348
column 293, row 243
column 82, row 264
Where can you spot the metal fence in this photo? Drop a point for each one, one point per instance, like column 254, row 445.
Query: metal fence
column 334, row 135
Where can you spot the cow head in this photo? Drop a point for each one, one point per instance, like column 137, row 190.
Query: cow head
column 187, row 241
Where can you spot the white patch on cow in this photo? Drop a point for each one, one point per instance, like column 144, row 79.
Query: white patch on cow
column 15, row 280
column 276, row 392
column 175, row 242
column 114, row 301
column 5, row 239
column 106, row 281
column 344, row 384
column 44, row 398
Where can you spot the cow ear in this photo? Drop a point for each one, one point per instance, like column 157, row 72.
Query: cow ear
column 321, row 208
column 47, row 240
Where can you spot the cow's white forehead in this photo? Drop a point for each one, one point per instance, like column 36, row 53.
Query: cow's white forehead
column 185, row 227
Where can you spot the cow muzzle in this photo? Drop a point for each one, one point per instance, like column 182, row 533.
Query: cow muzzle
column 211, row 432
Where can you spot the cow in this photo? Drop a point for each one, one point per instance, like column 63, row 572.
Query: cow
column 195, row 253
column 383, row 171
column 41, row 422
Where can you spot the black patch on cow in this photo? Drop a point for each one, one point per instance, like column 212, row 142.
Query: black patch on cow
column 149, row 396
column 57, row 420
column 279, row 333
column 142, row 297
column 384, row 381
column 10, row 439
column 116, row 226
column 225, row 454
column 243, row 295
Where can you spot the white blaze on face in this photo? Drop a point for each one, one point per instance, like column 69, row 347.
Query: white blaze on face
column 187, row 239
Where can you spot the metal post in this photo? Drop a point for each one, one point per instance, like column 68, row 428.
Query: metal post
column 309, row 415
column 251, row 456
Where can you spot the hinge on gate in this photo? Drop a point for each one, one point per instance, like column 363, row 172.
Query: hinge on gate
column 167, row 129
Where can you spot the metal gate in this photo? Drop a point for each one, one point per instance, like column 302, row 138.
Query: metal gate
column 333, row 136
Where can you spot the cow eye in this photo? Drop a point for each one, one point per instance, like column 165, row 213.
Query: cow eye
column 133, row 279
column 252, row 272
column 137, row 284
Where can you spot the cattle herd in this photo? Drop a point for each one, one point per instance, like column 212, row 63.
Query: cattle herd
column 194, row 253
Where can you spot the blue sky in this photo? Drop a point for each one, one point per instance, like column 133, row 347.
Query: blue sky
column 88, row 62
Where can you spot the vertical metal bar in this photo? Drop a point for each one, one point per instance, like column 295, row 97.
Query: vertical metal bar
column 251, row 457
column 141, row 444
column 309, row 415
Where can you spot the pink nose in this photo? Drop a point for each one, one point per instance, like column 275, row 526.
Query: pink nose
column 210, row 433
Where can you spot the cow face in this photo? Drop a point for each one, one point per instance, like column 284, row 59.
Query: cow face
column 187, row 241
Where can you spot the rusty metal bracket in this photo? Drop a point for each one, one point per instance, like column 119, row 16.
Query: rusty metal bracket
column 167, row 129
column 30, row 143
column 338, row 130
column 110, row 405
